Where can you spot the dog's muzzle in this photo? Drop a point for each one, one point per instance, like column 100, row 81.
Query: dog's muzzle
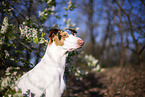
column 80, row 42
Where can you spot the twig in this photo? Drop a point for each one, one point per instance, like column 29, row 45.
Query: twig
column 27, row 47
column 18, row 12
column 142, row 1
column 142, row 49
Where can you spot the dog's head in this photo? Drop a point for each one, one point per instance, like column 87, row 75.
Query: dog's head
column 66, row 40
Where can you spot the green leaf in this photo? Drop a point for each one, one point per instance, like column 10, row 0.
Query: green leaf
column 36, row 40
column 42, row 34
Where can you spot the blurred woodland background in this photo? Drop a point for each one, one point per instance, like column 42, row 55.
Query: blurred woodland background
column 112, row 61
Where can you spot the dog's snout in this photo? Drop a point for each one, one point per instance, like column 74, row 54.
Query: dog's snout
column 80, row 42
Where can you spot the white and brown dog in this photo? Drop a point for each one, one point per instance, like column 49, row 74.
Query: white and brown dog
column 47, row 76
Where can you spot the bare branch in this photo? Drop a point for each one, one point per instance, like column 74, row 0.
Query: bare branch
column 142, row 1
column 142, row 49
column 27, row 47
column 132, row 34
column 18, row 12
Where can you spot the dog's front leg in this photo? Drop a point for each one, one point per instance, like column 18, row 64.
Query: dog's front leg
column 62, row 85
column 51, row 92
column 53, row 89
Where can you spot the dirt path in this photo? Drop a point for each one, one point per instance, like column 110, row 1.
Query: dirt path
column 88, row 87
column 114, row 82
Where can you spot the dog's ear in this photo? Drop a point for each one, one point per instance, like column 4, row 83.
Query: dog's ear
column 53, row 32
column 72, row 31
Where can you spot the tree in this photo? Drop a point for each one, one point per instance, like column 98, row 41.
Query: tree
column 88, row 9
column 138, row 50
column 121, row 37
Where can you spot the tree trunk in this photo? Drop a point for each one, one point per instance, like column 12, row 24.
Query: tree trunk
column 91, row 26
column 121, row 37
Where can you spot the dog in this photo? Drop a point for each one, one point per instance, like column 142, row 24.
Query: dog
column 47, row 77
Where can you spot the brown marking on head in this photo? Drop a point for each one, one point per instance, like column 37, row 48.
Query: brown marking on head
column 52, row 33
column 57, row 36
column 72, row 31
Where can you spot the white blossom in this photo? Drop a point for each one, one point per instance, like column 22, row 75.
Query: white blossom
column 64, row 8
column 9, row 80
column 9, row 95
column 76, row 74
column 17, row 68
column 42, row 40
column 69, row 2
column 6, row 53
column 10, row 9
column 41, row 13
column 66, row 12
column 53, row 8
column 68, row 26
column 96, row 68
column 12, row 59
column 30, row 33
column 73, row 24
column 86, row 72
column 52, row 13
column 93, row 62
column 41, row 30
column 49, row 1
column 24, row 73
column 24, row 23
column 102, row 70
column 69, row 20
column 7, row 73
column 53, row 25
column 3, row 3
column 14, row 73
column 8, row 69
column 4, row 25
column 1, row 42
column 5, row 82
column 46, row 14
column 77, row 28
column 64, row 19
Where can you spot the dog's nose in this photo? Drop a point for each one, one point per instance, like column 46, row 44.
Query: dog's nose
column 80, row 42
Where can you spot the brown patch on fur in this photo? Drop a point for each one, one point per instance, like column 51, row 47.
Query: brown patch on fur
column 58, row 38
column 50, row 41
column 53, row 32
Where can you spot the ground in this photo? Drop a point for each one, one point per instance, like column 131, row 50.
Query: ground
column 128, row 81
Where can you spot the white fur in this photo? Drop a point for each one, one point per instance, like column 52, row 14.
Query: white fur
column 47, row 76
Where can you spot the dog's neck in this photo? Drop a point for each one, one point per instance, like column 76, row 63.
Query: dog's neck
column 55, row 54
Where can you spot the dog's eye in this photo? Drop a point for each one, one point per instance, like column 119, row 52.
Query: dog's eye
column 64, row 35
column 59, row 37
